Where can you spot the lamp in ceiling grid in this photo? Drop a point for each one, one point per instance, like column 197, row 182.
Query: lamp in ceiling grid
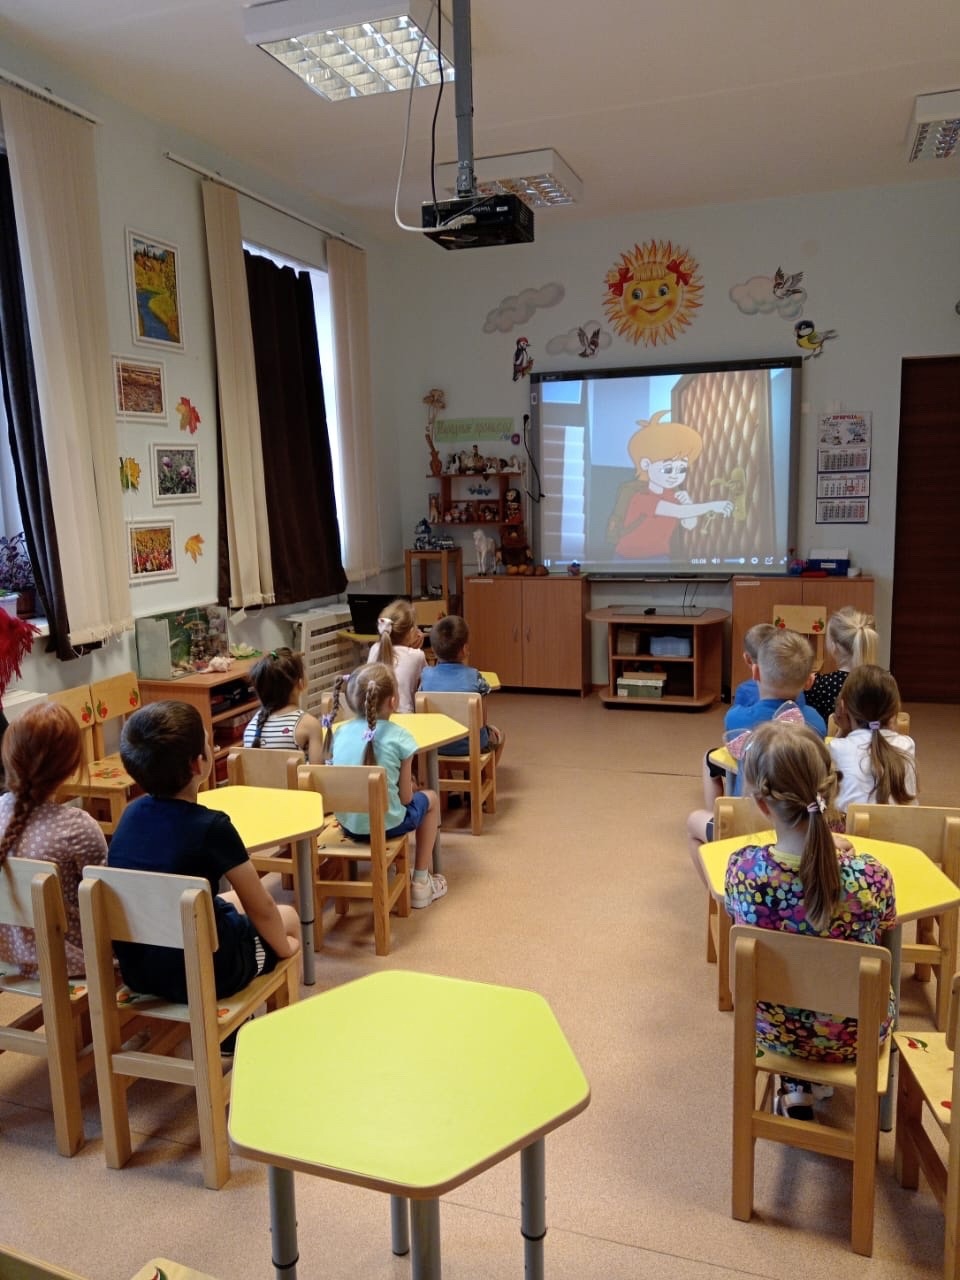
column 352, row 48
column 542, row 179
column 935, row 126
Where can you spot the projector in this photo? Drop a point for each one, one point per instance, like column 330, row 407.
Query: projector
column 471, row 222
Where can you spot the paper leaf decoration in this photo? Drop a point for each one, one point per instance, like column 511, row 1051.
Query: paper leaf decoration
column 189, row 418
column 130, row 475
column 194, row 547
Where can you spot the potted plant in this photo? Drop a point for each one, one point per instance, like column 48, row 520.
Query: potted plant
column 16, row 573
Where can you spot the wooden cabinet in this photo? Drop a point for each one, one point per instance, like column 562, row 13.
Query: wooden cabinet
column 689, row 652
column 756, row 599
column 531, row 631
column 221, row 697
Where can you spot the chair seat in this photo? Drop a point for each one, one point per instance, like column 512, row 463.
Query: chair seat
column 931, row 1063
column 228, row 1007
column 839, row 1074
column 109, row 772
column 12, row 980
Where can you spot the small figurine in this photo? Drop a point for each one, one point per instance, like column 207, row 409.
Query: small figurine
column 434, row 508
column 573, row 568
column 486, row 552
column 512, row 510
column 423, row 536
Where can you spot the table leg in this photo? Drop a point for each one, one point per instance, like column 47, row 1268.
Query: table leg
column 306, row 908
column 283, row 1223
column 892, row 939
column 425, row 1221
column 533, row 1208
column 399, row 1226
column 433, row 782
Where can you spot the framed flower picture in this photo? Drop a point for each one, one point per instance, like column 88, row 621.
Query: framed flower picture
column 151, row 550
column 175, row 472
column 153, row 270
column 139, row 390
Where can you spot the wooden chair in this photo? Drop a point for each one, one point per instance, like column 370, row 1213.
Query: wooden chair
column 935, row 830
column 360, row 789
column 809, row 619
column 54, row 1027
column 476, row 773
column 928, row 1076
column 732, row 816
column 104, row 786
column 167, row 911
column 20, row 1266
column 848, row 979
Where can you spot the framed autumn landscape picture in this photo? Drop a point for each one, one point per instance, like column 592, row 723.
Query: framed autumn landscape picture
column 153, row 268
column 151, row 550
column 139, row 391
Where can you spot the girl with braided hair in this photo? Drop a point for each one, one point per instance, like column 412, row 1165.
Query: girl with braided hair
column 400, row 646
column 41, row 751
column 371, row 738
column 278, row 680
column 807, row 881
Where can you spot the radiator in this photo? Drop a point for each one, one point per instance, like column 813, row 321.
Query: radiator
column 326, row 653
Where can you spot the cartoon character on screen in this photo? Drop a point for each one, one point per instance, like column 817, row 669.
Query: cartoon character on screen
column 648, row 507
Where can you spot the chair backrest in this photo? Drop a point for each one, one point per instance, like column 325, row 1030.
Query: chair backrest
column 465, row 708
column 809, row 619
column 737, row 816
column 427, row 612
column 933, row 828
column 353, row 788
column 143, row 906
column 260, row 767
column 114, row 700
column 80, row 705
column 326, row 706
column 846, row 979
column 20, row 880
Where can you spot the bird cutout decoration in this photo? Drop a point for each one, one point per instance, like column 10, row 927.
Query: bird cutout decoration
column 194, row 547
column 522, row 361
column 809, row 340
column 786, row 285
column 130, row 470
column 734, row 486
column 189, row 417
column 589, row 342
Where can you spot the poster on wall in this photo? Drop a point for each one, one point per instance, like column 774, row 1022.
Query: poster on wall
column 844, row 446
column 152, row 272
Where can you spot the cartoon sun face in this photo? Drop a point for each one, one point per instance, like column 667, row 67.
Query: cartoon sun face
column 652, row 292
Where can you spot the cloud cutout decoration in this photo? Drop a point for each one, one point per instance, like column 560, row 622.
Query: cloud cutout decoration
column 571, row 344
column 755, row 297
column 516, row 309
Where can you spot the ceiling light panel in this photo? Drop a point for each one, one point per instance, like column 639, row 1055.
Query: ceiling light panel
column 542, row 179
column 935, row 127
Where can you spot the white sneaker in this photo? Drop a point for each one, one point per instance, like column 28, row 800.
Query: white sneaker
column 423, row 892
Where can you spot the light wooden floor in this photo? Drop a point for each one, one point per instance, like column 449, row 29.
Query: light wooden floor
column 580, row 888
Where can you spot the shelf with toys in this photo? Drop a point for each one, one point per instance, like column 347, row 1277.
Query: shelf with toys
column 485, row 498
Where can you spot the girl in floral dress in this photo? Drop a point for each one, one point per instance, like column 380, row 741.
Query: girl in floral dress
column 807, row 881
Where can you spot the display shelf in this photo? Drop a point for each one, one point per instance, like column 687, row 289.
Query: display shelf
column 464, row 507
column 693, row 680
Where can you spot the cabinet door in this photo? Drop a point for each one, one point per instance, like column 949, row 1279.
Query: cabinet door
column 753, row 601
column 493, row 612
column 554, row 624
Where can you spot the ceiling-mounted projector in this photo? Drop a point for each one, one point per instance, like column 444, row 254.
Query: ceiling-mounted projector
column 476, row 222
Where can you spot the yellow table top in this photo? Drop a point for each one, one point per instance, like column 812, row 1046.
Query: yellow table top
column 265, row 816
column 429, row 728
column 920, row 886
column 722, row 758
column 492, row 679
column 403, row 1082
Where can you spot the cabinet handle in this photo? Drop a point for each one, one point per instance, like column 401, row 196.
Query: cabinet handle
column 528, row 635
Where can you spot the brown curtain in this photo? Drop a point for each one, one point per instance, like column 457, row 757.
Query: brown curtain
column 298, row 472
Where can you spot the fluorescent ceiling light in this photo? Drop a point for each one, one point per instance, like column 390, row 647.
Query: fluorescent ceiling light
column 540, row 178
column 935, row 127
column 351, row 48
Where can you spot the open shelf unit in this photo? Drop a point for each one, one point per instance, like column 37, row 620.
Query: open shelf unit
column 692, row 680
column 477, row 507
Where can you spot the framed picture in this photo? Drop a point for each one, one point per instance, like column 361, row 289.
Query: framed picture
column 139, row 390
column 151, row 550
column 153, row 271
column 175, row 471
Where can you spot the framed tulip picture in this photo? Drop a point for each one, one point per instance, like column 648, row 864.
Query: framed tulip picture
column 175, row 472
column 151, row 547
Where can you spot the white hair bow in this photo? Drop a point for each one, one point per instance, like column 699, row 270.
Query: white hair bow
column 384, row 626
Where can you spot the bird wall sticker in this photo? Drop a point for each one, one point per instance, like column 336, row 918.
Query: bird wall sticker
column 809, row 340
column 522, row 361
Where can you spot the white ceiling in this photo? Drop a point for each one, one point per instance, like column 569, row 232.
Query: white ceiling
column 684, row 103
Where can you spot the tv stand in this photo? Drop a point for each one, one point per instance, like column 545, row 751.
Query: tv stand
column 693, row 680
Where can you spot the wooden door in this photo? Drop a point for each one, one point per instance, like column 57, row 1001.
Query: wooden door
column 554, row 623
column 924, row 649
column 493, row 614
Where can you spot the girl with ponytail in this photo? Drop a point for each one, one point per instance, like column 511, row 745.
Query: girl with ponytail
column 400, row 646
column 807, row 881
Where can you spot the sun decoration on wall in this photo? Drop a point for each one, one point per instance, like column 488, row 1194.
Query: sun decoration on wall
column 652, row 292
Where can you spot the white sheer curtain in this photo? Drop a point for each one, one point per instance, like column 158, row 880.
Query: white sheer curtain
column 248, row 537
column 53, row 172
column 360, row 518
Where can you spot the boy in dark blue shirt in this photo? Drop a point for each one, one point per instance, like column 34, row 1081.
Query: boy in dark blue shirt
column 450, row 641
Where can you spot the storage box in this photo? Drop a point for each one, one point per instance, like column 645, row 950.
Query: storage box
column 180, row 643
column 670, row 646
column 628, row 643
column 641, row 684
column 835, row 562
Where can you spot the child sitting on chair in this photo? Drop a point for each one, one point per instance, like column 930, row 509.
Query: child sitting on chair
column 278, row 680
column 876, row 765
column 450, row 640
column 851, row 640
column 783, row 670
column 748, row 691
column 166, row 750
column 401, row 647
